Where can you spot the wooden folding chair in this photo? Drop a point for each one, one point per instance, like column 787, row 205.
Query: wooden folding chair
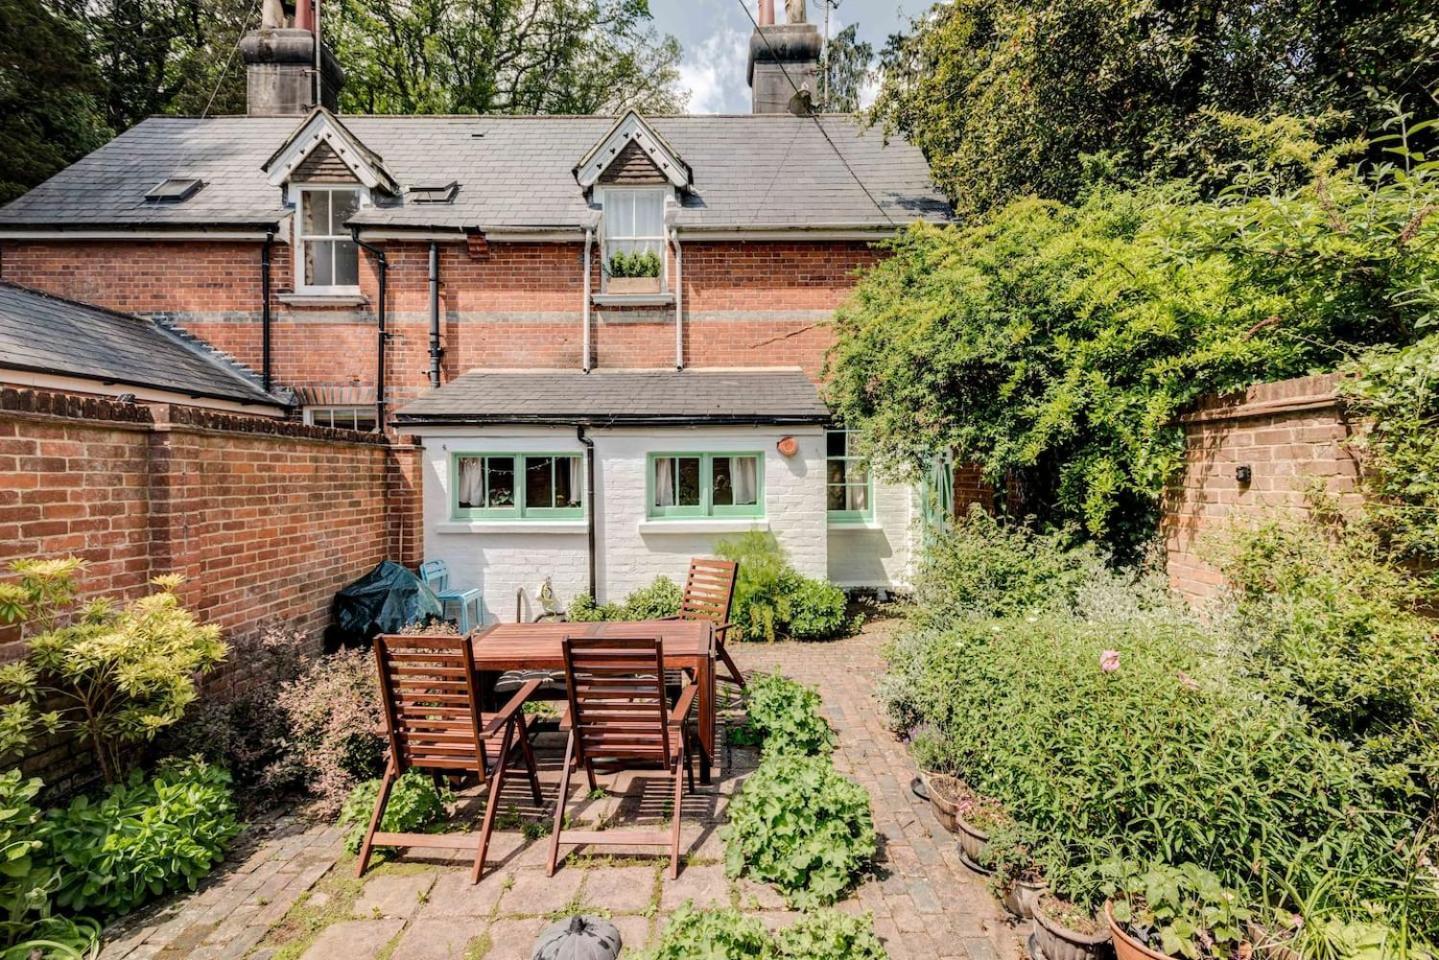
column 709, row 595
column 433, row 722
column 619, row 716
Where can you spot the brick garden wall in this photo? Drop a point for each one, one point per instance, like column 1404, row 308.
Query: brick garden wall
column 1290, row 435
column 265, row 519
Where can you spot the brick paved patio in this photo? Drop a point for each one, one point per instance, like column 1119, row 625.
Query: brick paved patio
column 289, row 892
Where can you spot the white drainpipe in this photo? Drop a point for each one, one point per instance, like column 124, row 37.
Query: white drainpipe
column 679, row 301
column 589, row 242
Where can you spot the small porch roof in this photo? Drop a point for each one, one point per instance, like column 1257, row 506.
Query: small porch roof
column 621, row 398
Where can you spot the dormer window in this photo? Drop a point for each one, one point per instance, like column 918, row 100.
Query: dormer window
column 634, row 239
column 327, row 260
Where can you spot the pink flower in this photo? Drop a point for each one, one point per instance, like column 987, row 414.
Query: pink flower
column 1109, row 661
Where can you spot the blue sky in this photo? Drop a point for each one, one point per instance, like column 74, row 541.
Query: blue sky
column 715, row 35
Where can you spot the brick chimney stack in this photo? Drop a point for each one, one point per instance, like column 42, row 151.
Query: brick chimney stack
column 784, row 64
column 280, row 65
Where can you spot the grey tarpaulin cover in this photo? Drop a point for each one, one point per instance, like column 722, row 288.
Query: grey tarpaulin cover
column 384, row 600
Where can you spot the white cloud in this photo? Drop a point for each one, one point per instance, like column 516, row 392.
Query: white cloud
column 714, row 72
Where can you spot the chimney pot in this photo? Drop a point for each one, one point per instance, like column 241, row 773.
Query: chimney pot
column 766, row 13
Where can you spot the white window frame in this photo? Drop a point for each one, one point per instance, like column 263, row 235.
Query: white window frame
column 606, row 237
column 297, row 191
column 356, row 409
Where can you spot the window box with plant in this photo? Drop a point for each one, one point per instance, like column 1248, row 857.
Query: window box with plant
column 634, row 240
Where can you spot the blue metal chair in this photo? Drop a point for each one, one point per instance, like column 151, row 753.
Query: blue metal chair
column 461, row 607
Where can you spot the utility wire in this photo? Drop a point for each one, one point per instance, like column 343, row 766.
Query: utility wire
column 819, row 125
column 230, row 60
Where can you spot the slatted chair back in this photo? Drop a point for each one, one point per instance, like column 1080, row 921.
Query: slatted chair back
column 709, row 590
column 432, row 710
column 618, row 707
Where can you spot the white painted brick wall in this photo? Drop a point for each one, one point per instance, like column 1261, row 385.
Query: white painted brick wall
column 631, row 553
column 877, row 555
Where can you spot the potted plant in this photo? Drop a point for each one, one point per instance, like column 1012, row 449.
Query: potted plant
column 975, row 819
column 1067, row 931
column 1017, row 880
column 946, row 793
column 1162, row 911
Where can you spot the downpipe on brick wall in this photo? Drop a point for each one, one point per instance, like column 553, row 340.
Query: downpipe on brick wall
column 265, row 319
column 679, row 301
column 384, row 337
column 436, row 351
column 590, row 505
column 585, row 310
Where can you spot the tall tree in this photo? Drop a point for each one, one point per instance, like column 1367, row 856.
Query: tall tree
column 504, row 56
column 49, row 95
column 1007, row 96
column 844, row 69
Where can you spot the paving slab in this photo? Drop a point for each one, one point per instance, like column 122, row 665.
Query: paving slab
column 534, row 893
column 620, row 890
column 353, row 940
column 441, row 939
column 453, row 895
column 394, row 895
column 704, row 886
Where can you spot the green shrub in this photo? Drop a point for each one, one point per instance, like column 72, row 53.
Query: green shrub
column 1135, row 736
column 772, row 600
column 831, row 935
column 712, row 934
column 248, row 730
column 1332, row 625
column 655, row 602
column 730, row 935
column 415, row 803
column 817, row 610
column 142, row 838
column 801, row 826
column 981, row 566
column 786, row 716
column 333, row 710
column 26, row 881
column 119, row 674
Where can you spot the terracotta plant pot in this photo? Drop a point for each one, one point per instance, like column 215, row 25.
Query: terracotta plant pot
column 1058, row 942
column 1022, row 896
column 946, row 809
column 973, row 842
column 1125, row 946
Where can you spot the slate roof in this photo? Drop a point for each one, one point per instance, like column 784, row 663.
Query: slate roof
column 44, row 334
column 758, row 172
column 621, row 397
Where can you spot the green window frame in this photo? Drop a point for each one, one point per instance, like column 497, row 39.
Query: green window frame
column 703, row 485
column 486, row 485
column 849, row 482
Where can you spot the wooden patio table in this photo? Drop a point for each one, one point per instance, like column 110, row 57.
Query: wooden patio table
column 687, row 645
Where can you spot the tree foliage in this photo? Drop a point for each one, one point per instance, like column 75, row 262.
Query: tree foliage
column 1005, row 97
column 1055, row 345
column 844, row 69
column 504, row 56
column 49, row 95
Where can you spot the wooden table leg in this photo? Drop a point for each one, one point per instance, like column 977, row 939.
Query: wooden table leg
column 705, row 677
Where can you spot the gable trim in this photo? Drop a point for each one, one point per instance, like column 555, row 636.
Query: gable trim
column 322, row 127
column 632, row 128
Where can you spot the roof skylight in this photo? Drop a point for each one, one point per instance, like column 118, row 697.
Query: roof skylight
column 433, row 193
column 174, row 190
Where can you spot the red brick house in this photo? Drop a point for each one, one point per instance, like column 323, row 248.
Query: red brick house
column 608, row 333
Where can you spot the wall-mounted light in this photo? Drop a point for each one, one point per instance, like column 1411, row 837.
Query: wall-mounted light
column 1243, row 474
column 787, row 446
